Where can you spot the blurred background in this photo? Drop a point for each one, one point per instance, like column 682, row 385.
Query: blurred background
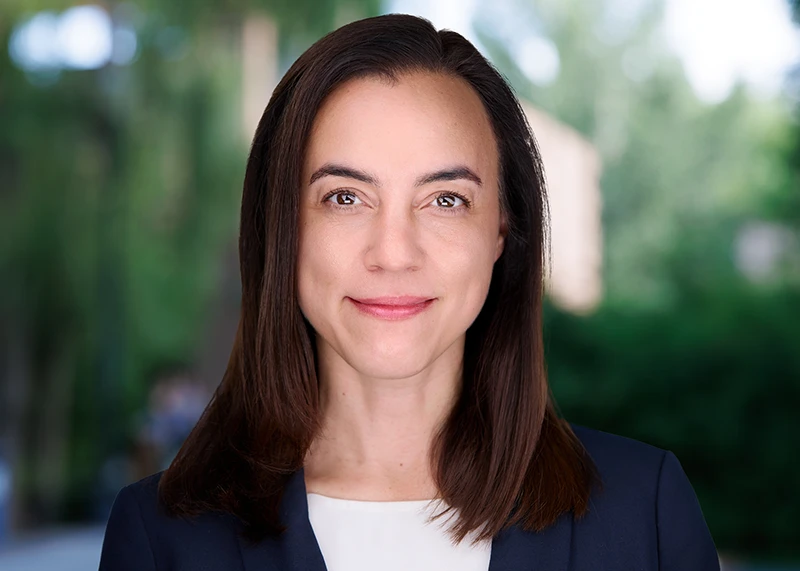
column 671, row 139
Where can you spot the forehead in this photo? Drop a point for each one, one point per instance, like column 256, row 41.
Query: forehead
column 421, row 120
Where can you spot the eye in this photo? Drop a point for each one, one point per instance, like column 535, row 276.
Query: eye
column 343, row 198
column 449, row 201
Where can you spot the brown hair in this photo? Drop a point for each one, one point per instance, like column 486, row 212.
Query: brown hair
column 503, row 456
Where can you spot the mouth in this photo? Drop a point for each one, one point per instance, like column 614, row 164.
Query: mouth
column 392, row 308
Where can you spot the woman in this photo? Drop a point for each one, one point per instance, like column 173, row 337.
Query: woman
column 389, row 350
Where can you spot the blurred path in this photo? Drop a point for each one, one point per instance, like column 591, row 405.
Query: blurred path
column 67, row 549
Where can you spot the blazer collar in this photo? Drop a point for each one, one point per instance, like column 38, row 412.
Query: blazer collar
column 513, row 549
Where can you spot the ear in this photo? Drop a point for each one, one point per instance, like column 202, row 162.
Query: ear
column 501, row 236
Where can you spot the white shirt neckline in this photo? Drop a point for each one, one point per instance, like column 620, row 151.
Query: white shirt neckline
column 364, row 535
column 369, row 505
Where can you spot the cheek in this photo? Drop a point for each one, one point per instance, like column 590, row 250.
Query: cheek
column 471, row 272
column 321, row 264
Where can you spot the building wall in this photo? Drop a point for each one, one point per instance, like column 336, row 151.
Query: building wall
column 572, row 169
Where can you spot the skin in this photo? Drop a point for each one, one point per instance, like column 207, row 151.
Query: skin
column 386, row 386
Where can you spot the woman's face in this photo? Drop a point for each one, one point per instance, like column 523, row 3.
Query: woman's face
column 399, row 199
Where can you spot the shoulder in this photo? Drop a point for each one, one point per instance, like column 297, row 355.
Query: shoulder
column 141, row 498
column 141, row 535
column 145, row 491
column 631, row 472
column 621, row 461
column 628, row 472
column 646, row 502
column 614, row 446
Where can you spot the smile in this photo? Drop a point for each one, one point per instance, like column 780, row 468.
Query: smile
column 391, row 311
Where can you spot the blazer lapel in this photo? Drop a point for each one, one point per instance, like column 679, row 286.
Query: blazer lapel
column 297, row 549
column 515, row 549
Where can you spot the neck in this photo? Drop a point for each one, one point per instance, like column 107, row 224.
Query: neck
column 376, row 436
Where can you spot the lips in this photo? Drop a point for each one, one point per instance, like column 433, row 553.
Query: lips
column 392, row 307
column 398, row 300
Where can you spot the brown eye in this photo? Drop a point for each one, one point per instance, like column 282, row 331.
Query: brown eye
column 342, row 198
column 449, row 201
column 446, row 200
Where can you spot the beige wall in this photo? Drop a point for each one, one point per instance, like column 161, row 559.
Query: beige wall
column 259, row 69
column 572, row 168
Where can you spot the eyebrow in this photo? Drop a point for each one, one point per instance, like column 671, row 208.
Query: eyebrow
column 459, row 172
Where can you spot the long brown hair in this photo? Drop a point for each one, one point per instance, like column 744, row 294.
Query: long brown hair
column 503, row 456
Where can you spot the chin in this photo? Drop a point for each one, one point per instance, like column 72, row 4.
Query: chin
column 394, row 366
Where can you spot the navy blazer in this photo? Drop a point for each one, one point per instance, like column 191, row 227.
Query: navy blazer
column 647, row 518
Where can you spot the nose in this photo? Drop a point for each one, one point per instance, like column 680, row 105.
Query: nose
column 394, row 240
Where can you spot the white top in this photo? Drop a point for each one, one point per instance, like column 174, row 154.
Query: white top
column 356, row 535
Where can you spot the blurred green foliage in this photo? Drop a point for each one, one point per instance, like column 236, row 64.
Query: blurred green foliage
column 123, row 189
column 716, row 382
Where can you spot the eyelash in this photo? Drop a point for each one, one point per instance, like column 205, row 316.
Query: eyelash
column 467, row 203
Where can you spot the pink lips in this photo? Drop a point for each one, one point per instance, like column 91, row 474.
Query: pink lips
column 400, row 307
